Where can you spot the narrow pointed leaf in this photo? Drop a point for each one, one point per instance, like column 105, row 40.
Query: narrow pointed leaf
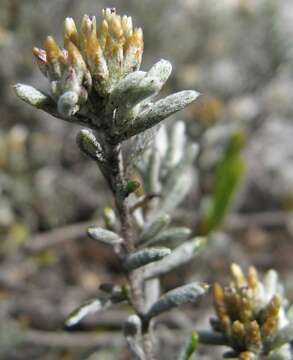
column 228, row 175
column 32, row 96
column 154, row 228
column 180, row 296
column 180, row 256
column 162, row 70
column 125, row 87
column 180, row 180
column 177, row 144
column 42, row 101
column 159, row 111
column 144, row 257
column 132, row 326
column 178, row 191
column 190, row 347
column 132, row 332
column 171, row 234
column 89, row 145
column 90, row 307
column 105, row 236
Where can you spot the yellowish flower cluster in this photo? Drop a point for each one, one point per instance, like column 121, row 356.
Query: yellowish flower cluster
column 95, row 81
column 97, row 56
column 249, row 313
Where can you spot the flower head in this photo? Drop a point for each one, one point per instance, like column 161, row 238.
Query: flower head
column 95, row 78
column 93, row 56
column 250, row 313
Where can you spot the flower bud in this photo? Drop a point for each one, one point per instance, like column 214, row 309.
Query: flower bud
column 67, row 104
column 41, row 59
column 70, row 32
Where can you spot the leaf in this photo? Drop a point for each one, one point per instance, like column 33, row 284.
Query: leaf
column 33, row 96
column 162, row 70
column 88, row 144
column 159, row 111
column 180, row 179
column 153, row 228
column 89, row 307
column 177, row 144
column 284, row 336
column 116, row 295
column 179, row 256
column 144, row 257
column 139, row 144
column 105, row 236
column 123, row 91
column 171, row 234
column 190, row 347
column 227, row 178
column 132, row 332
column 180, row 296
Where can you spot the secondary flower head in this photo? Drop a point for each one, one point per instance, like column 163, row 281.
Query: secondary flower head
column 251, row 314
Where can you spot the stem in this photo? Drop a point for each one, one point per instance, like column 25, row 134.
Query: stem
column 117, row 182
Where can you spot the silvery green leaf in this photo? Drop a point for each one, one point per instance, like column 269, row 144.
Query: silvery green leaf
column 190, row 347
column 134, row 203
column 148, row 86
column 89, row 145
column 139, row 144
column 132, row 332
column 144, row 257
column 116, row 295
column 42, row 101
column 33, row 97
column 161, row 141
column 159, row 111
column 132, row 326
column 133, row 89
column 68, row 104
column 127, row 85
column 153, row 228
column 178, row 190
column 105, row 236
column 152, row 290
column 154, row 172
column 171, row 234
column 283, row 353
column 90, row 307
column 180, row 296
column 179, row 256
column 128, row 110
column 187, row 160
column 284, row 336
column 138, row 217
column 161, row 70
column 177, row 143
column 179, row 181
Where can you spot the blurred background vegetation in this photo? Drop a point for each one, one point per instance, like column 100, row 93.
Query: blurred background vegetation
column 239, row 55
